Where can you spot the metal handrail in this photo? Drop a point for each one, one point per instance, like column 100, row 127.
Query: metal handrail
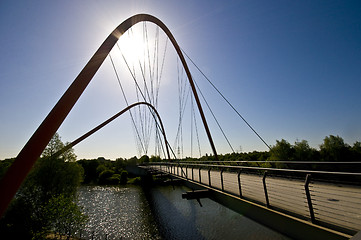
column 258, row 168
column 284, row 161
column 333, row 220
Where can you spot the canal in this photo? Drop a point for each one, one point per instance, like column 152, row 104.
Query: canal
column 160, row 213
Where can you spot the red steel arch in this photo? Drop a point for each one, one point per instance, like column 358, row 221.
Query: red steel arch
column 17, row 172
column 100, row 126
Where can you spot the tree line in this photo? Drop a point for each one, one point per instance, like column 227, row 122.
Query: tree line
column 333, row 149
column 46, row 201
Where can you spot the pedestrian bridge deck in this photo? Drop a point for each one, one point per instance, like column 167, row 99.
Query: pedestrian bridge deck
column 302, row 194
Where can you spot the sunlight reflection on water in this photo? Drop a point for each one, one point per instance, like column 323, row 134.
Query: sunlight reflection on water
column 161, row 213
column 117, row 212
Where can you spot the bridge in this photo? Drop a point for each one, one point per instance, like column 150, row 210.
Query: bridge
column 303, row 204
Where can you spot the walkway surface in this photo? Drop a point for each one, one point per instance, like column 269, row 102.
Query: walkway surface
column 335, row 205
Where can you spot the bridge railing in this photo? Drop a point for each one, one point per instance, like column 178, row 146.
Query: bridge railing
column 330, row 199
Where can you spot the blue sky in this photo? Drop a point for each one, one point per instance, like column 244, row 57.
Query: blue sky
column 291, row 68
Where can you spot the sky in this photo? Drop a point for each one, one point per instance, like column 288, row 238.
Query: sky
column 291, row 68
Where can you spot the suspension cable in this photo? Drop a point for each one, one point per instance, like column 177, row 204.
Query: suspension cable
column 214, row 117
column 141, row 92
column 226, row 100
column 191, row 128
column 126, row 100
column 161, row 71
column 195, row 124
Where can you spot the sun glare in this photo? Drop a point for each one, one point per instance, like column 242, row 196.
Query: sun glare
column 132, row 46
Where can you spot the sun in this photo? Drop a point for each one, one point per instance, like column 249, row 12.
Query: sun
column 132, row 46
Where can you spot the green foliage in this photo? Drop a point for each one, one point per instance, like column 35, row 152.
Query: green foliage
column 56, row 145
column 101, row 168
column 356, row 152
column 53, row 146
column 333, row 149
column 105, row 176
column 54, row 176
column 132, row 161
column 155, row 159
column 119, row 164
column 136, row 180
column 64, row 215
column 90, row 170
column 114, row 179
column 103, row 171
column 123, row 177
column 303, row 151
column 282, row 151
column 31, row 213
column 109, row 177
column 4, row 165
column 144, row 159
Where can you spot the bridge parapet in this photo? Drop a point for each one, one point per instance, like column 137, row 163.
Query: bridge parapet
column 327, row 199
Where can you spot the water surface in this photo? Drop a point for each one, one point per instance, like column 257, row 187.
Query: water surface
column 161, row 213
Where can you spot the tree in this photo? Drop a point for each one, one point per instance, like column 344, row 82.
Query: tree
column 119, row 165
column 64, row 215
column 123, row 177
column 144, row 159
column 333, row 149
column 132, row 161
column 104, row 177
column 356, row 151
column 155, row 159
column 53, row 146
column 90, row 170
column 51, row 179
column 56, row 145
column 303, row 151
column 282, row 151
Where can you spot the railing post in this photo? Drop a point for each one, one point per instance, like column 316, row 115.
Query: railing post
column 222, row 186
column 186, row 172
column 265, row 188
column 239, row 183
column 182, row 171
column 209, row 177
column 192, row 174
column 177, row 170
column 200, row 181
column 308, row 195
